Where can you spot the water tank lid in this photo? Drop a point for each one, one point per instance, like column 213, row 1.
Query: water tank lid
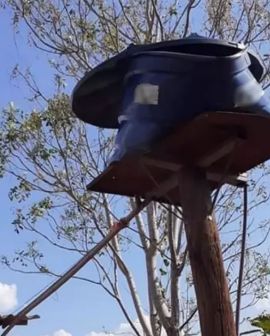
column 97, row 96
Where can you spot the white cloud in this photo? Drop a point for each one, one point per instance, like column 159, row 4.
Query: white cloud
column 61, row 332
column 8, row 297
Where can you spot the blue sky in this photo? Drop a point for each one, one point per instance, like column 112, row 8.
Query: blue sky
column 77, row 309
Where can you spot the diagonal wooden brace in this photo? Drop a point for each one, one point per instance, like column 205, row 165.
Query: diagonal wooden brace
column 118, row 226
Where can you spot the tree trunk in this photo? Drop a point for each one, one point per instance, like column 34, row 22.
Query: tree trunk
column 213, row 299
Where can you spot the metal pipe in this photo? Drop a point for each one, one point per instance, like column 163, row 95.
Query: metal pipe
column 118, row 226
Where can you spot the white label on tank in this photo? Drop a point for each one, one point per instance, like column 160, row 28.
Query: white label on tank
column 147, row 94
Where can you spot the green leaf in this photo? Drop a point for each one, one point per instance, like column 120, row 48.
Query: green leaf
column 263, row 322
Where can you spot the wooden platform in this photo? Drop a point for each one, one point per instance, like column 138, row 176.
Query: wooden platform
column 225, row 144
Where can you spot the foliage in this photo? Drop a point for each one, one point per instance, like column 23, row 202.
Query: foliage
column 263, row 322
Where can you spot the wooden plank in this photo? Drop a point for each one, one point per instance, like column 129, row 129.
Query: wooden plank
column 164, row 187
column 234, row 180
column 174, row 167
column 221, row 150
column 207, row 140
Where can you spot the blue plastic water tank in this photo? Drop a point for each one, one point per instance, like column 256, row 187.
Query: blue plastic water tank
column 146, row 90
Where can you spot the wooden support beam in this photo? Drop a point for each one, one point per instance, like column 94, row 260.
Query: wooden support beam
column 164, row 187
column 213, row 299
column 235, row 180
column 172, row 166
column 219, row 152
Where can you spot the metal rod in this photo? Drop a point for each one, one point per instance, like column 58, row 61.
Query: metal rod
column 242, row 262
column 118, row 226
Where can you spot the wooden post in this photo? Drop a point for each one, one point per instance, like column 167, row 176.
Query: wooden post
column 213, row 299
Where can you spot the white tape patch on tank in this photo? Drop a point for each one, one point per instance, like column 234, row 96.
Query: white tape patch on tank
column 146, row 94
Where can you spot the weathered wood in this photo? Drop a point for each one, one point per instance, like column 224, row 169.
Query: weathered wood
column 235, row 180
column 213, row 299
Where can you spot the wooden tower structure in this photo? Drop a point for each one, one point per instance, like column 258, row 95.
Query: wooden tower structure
column 191, row 116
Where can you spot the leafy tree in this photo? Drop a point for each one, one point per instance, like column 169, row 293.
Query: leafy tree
column 52, row 156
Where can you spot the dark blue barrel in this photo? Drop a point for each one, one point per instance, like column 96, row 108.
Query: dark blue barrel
column 147, row 90
column 163, row 89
